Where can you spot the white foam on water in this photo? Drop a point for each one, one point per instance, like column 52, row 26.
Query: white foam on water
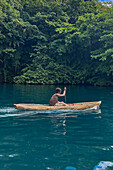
column 49, row 168
column 95, row 108
column 12, row 115
column 7, row 109
column 12, row 112
column 92, row 108
column 12, row 155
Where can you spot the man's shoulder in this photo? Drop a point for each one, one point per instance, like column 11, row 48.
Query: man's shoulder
column 54, row 95
column 57, row 94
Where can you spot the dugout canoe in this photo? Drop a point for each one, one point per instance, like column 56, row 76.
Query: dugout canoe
column 74, row 106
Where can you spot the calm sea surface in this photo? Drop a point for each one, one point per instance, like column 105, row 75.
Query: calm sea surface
column 55, row 140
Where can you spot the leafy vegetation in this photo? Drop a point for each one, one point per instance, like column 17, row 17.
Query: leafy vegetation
column 56, row 42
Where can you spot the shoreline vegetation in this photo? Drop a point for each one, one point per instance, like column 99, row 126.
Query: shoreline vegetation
column 56, row 42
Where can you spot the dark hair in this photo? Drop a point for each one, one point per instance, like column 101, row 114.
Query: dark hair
column 58, row 90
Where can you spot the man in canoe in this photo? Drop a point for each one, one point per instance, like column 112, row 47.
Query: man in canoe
column 54, row 99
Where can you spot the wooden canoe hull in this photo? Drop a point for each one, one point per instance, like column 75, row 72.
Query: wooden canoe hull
column 74, row 106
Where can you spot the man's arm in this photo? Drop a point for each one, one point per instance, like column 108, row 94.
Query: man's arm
column 64, row 93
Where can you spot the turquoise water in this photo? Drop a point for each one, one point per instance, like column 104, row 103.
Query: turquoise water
column 55, row 140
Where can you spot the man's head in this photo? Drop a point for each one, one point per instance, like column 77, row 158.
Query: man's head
column 58, row 90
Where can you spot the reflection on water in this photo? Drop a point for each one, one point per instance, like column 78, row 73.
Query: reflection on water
column 57, row 117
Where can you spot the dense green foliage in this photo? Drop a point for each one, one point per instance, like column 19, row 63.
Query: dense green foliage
column 56, row 42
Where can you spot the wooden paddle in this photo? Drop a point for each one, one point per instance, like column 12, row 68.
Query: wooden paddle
column 65, row 97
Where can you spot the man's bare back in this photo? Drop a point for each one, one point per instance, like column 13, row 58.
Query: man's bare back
column 54, row 99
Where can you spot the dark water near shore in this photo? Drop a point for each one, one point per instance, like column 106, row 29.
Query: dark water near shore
column 55, row 140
